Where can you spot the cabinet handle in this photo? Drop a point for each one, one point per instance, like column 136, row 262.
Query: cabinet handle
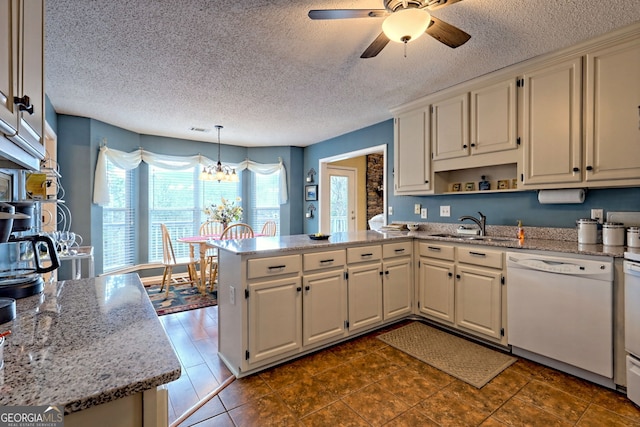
column 576, row 169
column 276, row 267
column 589, row 168
column 477, row 254
column 364, row 255
column 299, row 289
column 433, row 248
column 24, row 104
column 398, row 251
column 307, row 288
column 324, row 261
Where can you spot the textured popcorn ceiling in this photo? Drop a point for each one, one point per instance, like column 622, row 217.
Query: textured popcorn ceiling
column 269, row 74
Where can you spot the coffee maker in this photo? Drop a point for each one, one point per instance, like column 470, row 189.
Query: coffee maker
column 24, row 256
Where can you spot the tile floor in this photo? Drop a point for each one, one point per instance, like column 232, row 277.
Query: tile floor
column 364, row 382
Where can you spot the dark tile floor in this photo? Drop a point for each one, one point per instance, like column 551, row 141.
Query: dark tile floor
column 364, row 382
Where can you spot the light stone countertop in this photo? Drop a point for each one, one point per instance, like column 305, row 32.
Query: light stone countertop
column 543, row 239
column 85, row 342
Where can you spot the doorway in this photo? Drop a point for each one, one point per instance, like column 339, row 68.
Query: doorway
column 324, row 205
column 342, row 200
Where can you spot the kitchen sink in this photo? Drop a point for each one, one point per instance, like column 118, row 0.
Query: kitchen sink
column 481, row 238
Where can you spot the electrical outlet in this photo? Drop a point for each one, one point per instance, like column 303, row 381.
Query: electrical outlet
column 445, row 210
column 423, row 213
column 597, row 214
column 390, row 210
column 416, row 208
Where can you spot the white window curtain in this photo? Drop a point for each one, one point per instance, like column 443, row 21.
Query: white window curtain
column 128, row 161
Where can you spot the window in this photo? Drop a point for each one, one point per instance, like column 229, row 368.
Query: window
column 176, row 198
column 265, row 205
column 118, row 226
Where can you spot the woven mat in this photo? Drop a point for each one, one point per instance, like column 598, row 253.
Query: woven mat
column 465, row 360
column 182, row 297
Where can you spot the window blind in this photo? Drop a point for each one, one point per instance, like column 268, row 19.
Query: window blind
column 118, row 225
column 264, row 202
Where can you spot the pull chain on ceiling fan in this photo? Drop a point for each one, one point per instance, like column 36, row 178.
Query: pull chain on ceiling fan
column 405, row 21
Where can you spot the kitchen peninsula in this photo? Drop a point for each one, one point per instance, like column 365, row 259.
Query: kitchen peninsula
column 93, row 347
column 283, row 297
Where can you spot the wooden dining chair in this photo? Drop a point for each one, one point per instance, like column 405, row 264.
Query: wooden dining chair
column 170, row 261
column 237, row 231
column 210, row 228
column 234, row 231
column 269, row 228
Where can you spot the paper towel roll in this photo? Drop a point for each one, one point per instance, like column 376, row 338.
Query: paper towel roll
column 574, row 195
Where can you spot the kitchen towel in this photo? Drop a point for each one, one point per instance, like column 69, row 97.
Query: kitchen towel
column 574, row 195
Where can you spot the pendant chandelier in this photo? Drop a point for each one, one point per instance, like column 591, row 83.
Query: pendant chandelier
column 219, row 172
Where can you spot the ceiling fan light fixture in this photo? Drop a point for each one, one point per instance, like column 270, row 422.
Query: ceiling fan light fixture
column 406, row 25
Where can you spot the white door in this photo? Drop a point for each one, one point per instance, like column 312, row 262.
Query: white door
column 340, row 213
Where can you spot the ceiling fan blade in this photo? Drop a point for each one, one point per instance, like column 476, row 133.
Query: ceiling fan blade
column 441, row 3
column 347, row 13
column 447, row 33
column 374, row 48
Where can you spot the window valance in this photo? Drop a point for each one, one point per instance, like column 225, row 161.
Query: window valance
column 128, row 161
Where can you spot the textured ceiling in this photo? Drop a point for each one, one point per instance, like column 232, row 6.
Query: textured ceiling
column 269, row 74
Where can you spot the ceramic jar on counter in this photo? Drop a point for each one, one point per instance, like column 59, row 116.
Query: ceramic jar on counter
column 613, row 234
column 587, row 231
column 633, row 237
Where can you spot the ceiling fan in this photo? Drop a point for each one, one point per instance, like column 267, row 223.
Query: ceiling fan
column 405, row 21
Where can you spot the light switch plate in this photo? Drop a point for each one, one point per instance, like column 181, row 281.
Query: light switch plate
column 390, row 210
column 416, row 209
column 597, row 214
column 445, row 210
column 423, row 213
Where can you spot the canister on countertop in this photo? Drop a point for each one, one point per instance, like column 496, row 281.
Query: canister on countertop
column 633, row 237
column 587, row 231
column 613, row 234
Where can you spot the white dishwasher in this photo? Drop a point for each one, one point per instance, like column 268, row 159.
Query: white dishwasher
column 560, row 312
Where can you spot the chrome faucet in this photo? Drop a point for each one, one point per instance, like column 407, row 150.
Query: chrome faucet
column 482, row 222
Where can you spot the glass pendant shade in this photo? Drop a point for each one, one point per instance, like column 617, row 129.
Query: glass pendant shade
column 406, row 25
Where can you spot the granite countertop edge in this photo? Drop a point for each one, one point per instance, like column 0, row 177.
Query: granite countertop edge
column 542, row 239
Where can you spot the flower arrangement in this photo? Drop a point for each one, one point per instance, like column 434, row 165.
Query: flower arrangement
column 226, row 212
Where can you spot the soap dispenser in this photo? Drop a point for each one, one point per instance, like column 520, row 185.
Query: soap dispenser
column 520, row 232
column 484, row 184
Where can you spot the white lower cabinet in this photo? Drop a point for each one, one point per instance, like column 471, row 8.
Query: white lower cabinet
column 397, row 280
column 365, row 289
column 275, row 310
column 462, row 287
column 324, row 307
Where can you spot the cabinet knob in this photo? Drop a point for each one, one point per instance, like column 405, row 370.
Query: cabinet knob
column 473, row 145
column 589, row 168
column 450, row 274
column 307, row 288
column 464, row 146
column 299, row 289
column 24, row 104
column 576, row 169
column 457, row 276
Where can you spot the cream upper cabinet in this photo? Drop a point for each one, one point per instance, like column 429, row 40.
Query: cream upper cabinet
column 493, row 118
column 412, row 160
column 22, row 79
column 450, row 127
column 612, row 113
column 552, row 133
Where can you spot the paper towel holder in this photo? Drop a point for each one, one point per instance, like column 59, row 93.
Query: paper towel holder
column 562, row 196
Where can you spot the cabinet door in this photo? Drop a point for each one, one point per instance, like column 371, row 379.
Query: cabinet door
column 365, row 295
column 412, row 162
column 31, row 82
column 552, row 124
column 8, row 70
column 324, row 307
column 437, row 290
column 397, row 288
column 493, row 118
column 478, row 300
column 275, row 318
column 450, row 127
column 612, row 113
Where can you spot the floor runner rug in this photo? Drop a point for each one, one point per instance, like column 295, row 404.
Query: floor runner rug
column 182, row 297
column 463, row 359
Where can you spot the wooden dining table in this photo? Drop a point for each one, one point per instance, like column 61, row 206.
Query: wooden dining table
column 201, row 242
